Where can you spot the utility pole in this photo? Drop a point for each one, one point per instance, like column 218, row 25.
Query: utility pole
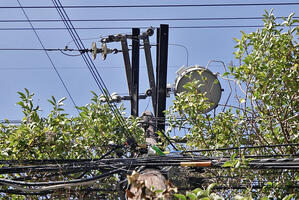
column 152, row 177
column 135, row 71
column 161, row 73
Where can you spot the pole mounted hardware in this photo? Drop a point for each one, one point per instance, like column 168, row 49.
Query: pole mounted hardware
column 208, row 84
column 132, row 64
column 104, row 51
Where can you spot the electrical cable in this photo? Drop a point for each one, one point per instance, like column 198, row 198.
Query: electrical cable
column 100, row 80
column 55, row 185
column 52, row 63
column 88, row 61
column 60, row 50
column 35, row 184
column 157, row 6
column 128, row 28
column 141, row 27
column 66, row 68
column 141, row 19
column 174, row 160
column 34, row 49
column 243, row 147
column 13, row 191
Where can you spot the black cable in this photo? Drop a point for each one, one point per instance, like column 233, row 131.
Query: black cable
column 52, row 63
column 13, row 191
column 64, row 68
column 70, row 162
column 78, row 43
column 142, row 19
column 88, row 61
column 141, row 27
column 90, row 64
column 243, row 147
column 60, row 50
column 163, row 133
column 112, row 163
column 35, row 49
column 31, row 184
column 70, row 54
column 157, row 6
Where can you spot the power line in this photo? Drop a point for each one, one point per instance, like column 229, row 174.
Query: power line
column 141, row 27
column 52, row 63
column 156, row 6
column 127, row 28
column 55, row 185
column 244, row 147
column 36, row 49
column 68, row 68
column 126, row 163
column 141, row 19
column 91, row 66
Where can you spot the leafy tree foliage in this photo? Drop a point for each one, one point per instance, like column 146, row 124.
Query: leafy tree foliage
column 59, row 137
column 265, row 110
column 266, row 113
column 90, row 135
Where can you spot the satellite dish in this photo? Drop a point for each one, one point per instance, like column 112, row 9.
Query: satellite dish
column 94, row 50
column 209, row 84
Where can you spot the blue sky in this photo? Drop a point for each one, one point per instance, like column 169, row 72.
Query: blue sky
column 33, row 70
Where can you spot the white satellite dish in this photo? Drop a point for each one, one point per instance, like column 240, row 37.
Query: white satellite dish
column 209, row 84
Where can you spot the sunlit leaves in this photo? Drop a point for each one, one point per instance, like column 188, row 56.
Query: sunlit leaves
column 60, row 136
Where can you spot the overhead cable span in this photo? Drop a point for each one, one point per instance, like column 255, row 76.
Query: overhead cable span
column 156, row 6
column 125, row 164
column 127, row 28
column 140, row 19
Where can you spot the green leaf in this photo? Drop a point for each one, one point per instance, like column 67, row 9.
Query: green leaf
column 227, row 164
column 225, row 74
column 195, row 191
column 61, row 100
column 288, row 197
column 210, row 187
column 180, row 196
column 191, row 195
column 22, row 95
column 205, row 198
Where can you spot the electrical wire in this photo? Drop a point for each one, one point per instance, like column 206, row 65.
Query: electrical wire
column 128, row 28
column 157, row 6
column 87, row 59
column 35, row 49
column 141, row 27
column 89, row 190
column 51, row 61
column 35, row 184
column 68, row 68
column 60, row 50
column 122, row 164
column 243, row 147
column 90, row 64
column 141, row 19
column 55, row 185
